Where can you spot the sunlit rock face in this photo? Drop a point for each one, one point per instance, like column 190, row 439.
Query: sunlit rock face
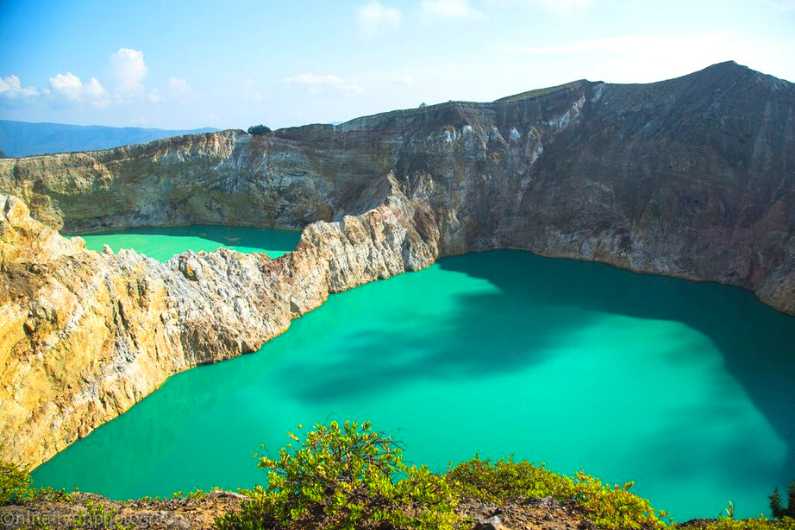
column 691, row 177
column 85, row 335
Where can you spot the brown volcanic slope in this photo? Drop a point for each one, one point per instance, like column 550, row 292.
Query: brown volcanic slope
column 692, row 177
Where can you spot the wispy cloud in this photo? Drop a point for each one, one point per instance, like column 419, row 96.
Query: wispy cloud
column 374, row 17
column 11, row 88
column 449, row 9
column 319, row 83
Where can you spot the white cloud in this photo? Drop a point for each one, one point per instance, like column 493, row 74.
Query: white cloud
column 94, row 89
column 71, row 88
column 449, row 9
column 374, row 17
column 11, row 88
column 67, row 85
column 318, row 83
column 129, row 69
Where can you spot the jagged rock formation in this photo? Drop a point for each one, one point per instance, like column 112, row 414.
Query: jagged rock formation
column 692, row 177
column 84, row 335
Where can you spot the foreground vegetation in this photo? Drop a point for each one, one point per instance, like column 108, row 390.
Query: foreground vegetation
column 16, row 487
column 349, row 476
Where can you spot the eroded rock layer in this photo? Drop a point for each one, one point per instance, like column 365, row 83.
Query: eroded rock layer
column 691, row 177
column 85, row 335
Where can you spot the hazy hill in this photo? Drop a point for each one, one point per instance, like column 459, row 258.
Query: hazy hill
column 19, row 138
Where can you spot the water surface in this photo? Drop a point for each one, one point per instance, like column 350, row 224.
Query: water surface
column 163, row 243
column 685, row 388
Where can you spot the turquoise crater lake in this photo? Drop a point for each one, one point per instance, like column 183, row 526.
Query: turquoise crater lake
column 686, row 389
column 163, row 243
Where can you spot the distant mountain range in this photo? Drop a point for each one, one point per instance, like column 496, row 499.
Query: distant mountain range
column 20, row 138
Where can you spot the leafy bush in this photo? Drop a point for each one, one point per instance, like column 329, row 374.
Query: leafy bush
column 345, row 476
column 15, row 486
column 506, row 480
column 616, row 507
column 258, row 130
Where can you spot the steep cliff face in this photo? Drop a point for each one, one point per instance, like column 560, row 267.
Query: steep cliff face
column 693, row 177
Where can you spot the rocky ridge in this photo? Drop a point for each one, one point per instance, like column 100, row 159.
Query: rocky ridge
column 86, row 335
column 691, row 177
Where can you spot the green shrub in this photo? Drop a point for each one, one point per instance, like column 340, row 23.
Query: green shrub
column 15, row 487
column 506, row 480
column 256, row 513
column 258, row 130
column 614, row 507
column 345, row 476
column 777, row 506
column 192, row 495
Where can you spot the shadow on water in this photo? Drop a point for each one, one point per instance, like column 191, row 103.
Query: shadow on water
column 480, row 339
column 757, row 342
column 551, row 299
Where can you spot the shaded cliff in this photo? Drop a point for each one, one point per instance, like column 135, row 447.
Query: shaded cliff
column 692, row 177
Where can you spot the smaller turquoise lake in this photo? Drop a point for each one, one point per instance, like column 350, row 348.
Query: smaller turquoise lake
column 688, row 389
column 163, row 243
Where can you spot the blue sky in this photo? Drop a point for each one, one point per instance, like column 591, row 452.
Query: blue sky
column 184, row 64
